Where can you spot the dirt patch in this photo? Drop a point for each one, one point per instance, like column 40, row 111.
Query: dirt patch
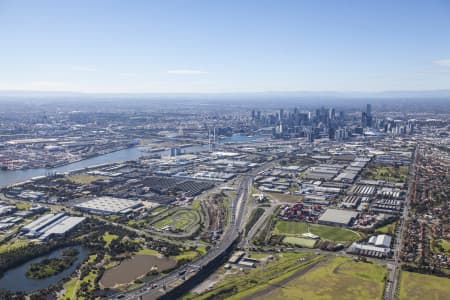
column 133, row 268
column 336, row 270
column 210, row 282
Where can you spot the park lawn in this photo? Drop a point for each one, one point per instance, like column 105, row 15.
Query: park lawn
column 89, row 278
column 91, row 258
column 387, row 229
column 421, row 286
column 386, row 172
column 14, row 244
column 74, row 284
column 337, row 279
column 70, row 288
column 325, row 232
column 298, row 241
column 109, row 237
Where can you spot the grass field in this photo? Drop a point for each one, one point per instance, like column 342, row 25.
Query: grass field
column 70, row 288
column 83, row 178
column 23, row 205
column 386, row 172
column 159, row 209
column 420, row 286
column 445, row 244
column 109, row 237
column 324, row 231
column 243, row 283
column 298, row 241
column 186, row 255
column 91, row 258
column 182, row 220
column 258, row 255
column 202, row 249
column 387, row 229
column 337, row 279
column 73, row 285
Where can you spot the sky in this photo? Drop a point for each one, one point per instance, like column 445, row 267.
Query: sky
column 217, row 46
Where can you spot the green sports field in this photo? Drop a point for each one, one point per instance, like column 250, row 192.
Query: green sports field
column 325, row 232
column 298, row 241
column 181, row 219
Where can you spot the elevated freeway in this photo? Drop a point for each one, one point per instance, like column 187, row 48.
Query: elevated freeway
column 174, row 282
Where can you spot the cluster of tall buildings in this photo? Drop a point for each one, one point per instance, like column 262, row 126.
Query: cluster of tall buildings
column 326, row 123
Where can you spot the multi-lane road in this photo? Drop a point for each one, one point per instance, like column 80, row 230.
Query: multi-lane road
column 392, row 283
column 156, row 289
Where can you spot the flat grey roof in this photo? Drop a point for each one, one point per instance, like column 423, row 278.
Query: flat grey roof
column 339, row 216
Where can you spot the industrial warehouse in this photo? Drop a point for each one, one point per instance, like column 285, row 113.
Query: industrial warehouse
column 109, row 205
column 51, row 225
column 338, row 217
column 377, row 246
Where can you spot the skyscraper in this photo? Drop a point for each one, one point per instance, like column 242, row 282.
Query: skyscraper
column 369, row 109
column 369, row 115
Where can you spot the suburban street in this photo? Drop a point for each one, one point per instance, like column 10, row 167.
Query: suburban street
column 394, row 268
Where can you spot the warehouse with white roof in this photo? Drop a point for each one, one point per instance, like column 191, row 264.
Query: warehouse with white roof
column 109, row 205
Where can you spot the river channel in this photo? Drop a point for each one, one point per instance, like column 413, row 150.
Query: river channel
column 9, row 177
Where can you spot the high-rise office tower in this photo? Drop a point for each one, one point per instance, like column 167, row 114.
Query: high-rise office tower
column 369, row 109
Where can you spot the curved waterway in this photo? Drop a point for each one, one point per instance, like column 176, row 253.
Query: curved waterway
column 9, row 177
column 15, row 280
